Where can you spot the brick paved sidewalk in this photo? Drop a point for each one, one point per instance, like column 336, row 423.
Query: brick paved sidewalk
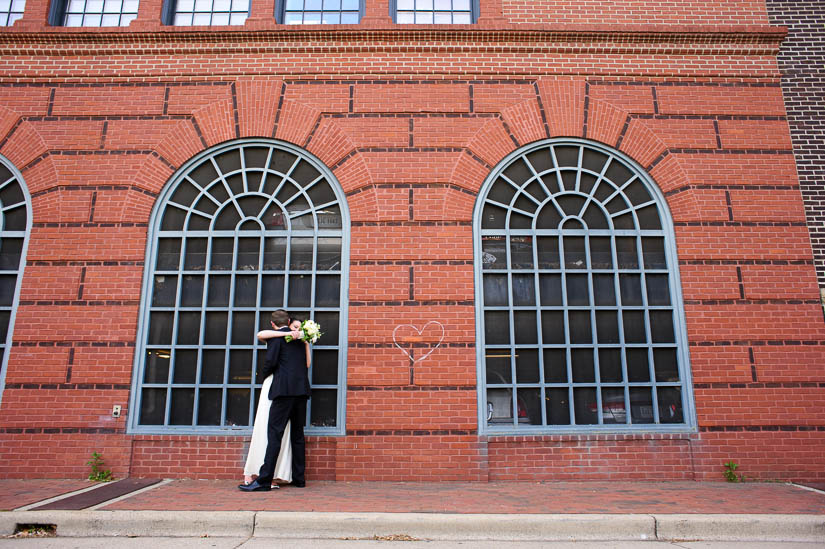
column 528, row 498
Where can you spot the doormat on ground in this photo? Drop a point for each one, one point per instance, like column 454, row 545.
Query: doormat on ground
column 98, row 495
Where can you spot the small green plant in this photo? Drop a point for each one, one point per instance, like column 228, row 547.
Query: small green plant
column 730, row 472
column 98, row 474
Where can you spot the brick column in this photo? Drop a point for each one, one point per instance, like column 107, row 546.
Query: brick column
column 376, row 13
column 261, row 14
column 149, row 15
column 35, row 16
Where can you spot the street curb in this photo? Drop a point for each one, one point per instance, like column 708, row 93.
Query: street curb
column 424, row 526
column 135, row 523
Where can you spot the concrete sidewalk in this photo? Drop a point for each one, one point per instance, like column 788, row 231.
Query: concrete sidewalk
column 581, row 511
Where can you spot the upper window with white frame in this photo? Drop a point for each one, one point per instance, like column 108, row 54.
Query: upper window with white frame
column 11, row 11
column 320, row 12
column 186, row 13
column 93, row 13
column 579, row 309
column 436, row 12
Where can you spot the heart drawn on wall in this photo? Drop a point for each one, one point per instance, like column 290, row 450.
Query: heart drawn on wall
column 413, row 335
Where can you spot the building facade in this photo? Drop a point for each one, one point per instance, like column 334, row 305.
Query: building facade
column 544, row 240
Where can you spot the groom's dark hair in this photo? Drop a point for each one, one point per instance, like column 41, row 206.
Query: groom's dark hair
column 280, row 318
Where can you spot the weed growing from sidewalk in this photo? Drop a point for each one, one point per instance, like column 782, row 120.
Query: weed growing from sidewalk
column 98, row 474
column 730, row 472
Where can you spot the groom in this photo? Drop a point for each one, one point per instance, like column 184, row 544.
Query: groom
column 289, row 393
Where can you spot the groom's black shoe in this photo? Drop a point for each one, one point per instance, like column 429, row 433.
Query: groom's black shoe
column 255, row 486
column 298, row 484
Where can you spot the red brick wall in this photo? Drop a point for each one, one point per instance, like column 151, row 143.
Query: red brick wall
column 411, row 123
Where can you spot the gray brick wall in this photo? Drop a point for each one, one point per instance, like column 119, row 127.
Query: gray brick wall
column 802, row 62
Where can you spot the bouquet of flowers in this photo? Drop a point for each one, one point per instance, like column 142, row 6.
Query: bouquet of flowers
column 310, row 332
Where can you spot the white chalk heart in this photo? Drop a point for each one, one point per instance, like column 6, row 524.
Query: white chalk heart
column 420, row 334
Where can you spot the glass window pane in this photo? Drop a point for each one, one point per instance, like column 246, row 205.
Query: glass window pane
column 156, row 369
column 168, row 254
column 324, row 407
column 243, row 328
column 498, row 366
column 634, row 326
column 165, row 291
column 186, row 366
column 218, row 293
column 324, row 367
column 246, row 291
column 653, row 252
column 550, row 289
column 614, row 409
column 529, row 406
column 499, row 406
column 607, row 326
column 329, row 254
column 293, row 18
column 248, row 250
column 555, row 366
column 631, row 289
column 557, row 406
column 327, row 290
column 601, row 252
column 160, row 328
column 272, row 291
column 191, row 291
column 604, row 290
column 524, row 290
column 641, row 405
column 610, row 365
column 311, row 18
column 189, row 327
column 427, row 18
column 350, row 18
column 670, row 404
column 521, row 252
column 574, row 253
column 585, row 406
column 527, row 366
column 577, row 290
column 329, row 326
column 407, row 18
column 209, row 406
column 638, row 369
column 240, row 366
column 658, row 289
column 182, row 406
column 300, row 291
column 294, row 5
column 497, row 327
column 195, row 258
column 525, row 327
column 552, row 327
column 494, row 254
column 275, row 253
column 301, row 252
column 405, row 5
column 216, row 323
column 212, row 366
column 626, row 252
column 661, row 326
column 330, row 18
column 423, row 4
column 237, row 407
column 666, row 364
column 152, row 406
column 580, row 328
column 583, row 366
column 495, row 290
column 443, row 18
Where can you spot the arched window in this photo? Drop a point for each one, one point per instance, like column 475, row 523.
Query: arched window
column 243, row 229
column 579, row 314
column 15, row 225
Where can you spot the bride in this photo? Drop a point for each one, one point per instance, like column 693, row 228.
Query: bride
column 257, row 446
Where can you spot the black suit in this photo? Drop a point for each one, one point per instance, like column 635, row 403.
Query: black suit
column 288, row 393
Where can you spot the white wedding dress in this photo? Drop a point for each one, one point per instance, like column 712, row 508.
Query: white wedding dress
column 257, row 446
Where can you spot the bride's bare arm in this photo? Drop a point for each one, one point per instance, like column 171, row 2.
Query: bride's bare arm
column 263, row 335
column 309, row 353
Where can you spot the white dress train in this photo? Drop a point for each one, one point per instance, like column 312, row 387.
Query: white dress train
column 257, row 446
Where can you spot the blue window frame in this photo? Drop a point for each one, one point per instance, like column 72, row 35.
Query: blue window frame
column 15, row 226
column 580, row 324
column 243, row 229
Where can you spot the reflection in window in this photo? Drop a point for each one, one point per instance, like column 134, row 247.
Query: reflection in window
column 578, row 297
column 15, row 218
column 11, row 11
column 210, row 12
column 246, row 229
column 321, row 12
column 438, row 12
column 99, row 13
